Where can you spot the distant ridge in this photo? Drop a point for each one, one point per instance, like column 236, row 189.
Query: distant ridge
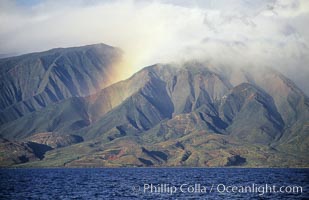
column 33, row 81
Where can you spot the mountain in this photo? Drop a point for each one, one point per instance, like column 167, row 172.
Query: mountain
column 168, row 115
column 33, row 81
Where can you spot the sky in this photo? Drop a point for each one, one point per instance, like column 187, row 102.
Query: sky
column 238, row 33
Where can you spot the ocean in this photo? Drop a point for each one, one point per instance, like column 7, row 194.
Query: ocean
column 154, row 183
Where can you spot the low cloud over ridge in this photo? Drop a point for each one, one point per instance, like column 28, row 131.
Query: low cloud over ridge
column 239, row 33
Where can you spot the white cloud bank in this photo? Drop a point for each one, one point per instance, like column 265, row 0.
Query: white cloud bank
column 229, row 32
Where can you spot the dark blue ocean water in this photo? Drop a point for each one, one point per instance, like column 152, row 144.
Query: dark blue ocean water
column 154, row 183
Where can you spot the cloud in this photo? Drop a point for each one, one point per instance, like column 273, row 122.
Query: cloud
column 226, row 32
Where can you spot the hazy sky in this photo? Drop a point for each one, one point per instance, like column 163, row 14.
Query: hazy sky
column 241, row 33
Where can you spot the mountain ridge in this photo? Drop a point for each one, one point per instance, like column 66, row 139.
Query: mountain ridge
column 166, row 115
column 33, row 81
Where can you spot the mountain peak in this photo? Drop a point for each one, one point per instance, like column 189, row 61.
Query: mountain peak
column 100, row 46
column 33, row 81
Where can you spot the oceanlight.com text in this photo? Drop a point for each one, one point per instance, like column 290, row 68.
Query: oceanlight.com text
column 259, row 189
